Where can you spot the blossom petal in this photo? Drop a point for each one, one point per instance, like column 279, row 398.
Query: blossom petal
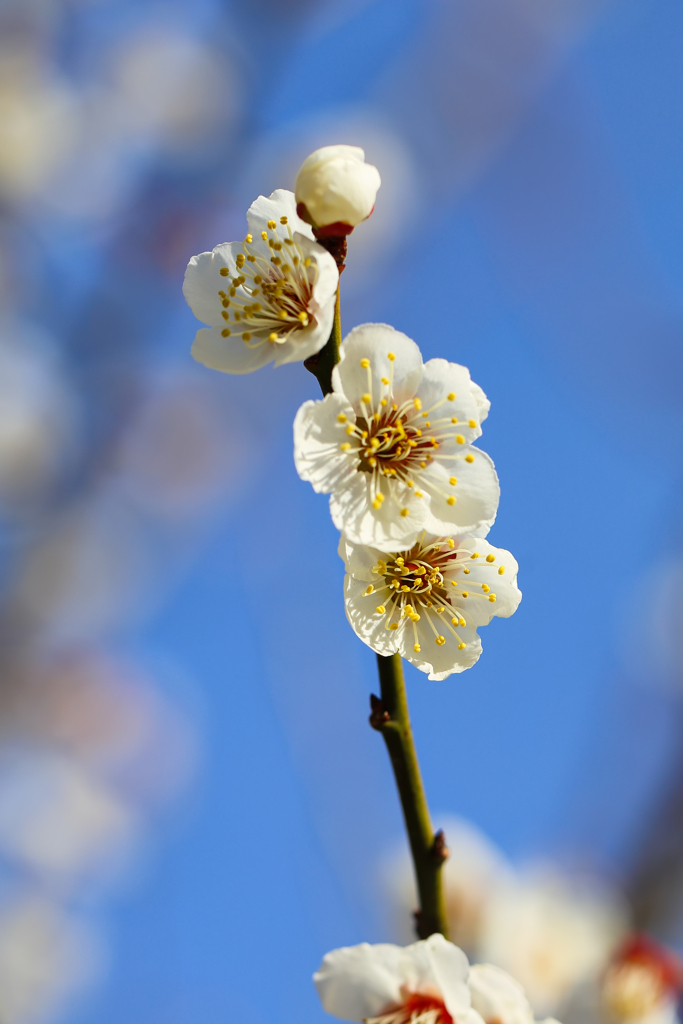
column 280, row 203
column 477, row 608
column 318, row 435
column 374, row 342
column 450, row 970
column 229, row 355
column 440, row 661
column 384, row 528
column 203, row 281
column 440, row 379
column 498, row 997
column 367, row 623
column 477, row 494
column 357, row 982
column 359, row 559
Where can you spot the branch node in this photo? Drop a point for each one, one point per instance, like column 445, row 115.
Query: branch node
column 440, row 851
column 379, row 716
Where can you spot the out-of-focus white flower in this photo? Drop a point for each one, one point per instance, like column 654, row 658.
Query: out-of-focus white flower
column 550, row 932
column 475, row 868
column 428, row 601
column 335, row 189
column 270, row 297
column 38, row 124
column 424, row 983
column 640, row 985
column 56, row 818
column 36, row 413
column 387, row 442
column 45, row 958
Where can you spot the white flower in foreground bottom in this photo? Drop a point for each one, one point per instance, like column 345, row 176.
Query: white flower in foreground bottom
column 336, row 189
column 392, row 444
column 425, row 983
column 498, row 998
column 270, row 297
column 427, row 602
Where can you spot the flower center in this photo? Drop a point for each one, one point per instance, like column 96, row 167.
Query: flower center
column 414, row 585
column 417, row 1009
column 270, row 295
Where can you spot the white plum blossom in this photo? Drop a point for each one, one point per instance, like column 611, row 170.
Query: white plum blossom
column 335, row 189
column 392, row 444
column 427, row 601
column 498, row 998
column 424, row 983
column 268, row 298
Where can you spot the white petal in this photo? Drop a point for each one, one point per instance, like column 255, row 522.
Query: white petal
column 482, row 401
column 337, row 186
column 203, row 281
column 359, row 559
column 362, row 981
column 477, row 608
column 352, row 510
column 477, row 494
column 375, row 342
column 440, row 661
column 230, row 355
column 498, row 997
column 280, row 203
column 450, row 969
column 369, row 625
column 318, row 435
column 441, row 378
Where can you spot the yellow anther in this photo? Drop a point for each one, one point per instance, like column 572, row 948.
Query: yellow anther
column 370, row 589
column 226, row 316
column 475, row 554
column 451, row 396
column 248, row 239
column 381, row 609
column 239, row 260
column 374, row 443
column 391, row 356
column 490, row 558
column 459, row 438
column 246, row 336
column 393, row 409
column 307, row 261
column 454, row 419
column 264, row 236
column 377, row 417
column 471, row 423
column 404, row 512
column 439, row 609
column 410, row 483
column 419, row 433
column 455, row 621
column 492, row 598
column 385, row 381
column 425, row 414
column 303, row 317
column 383, row 401
column 226, row 332
column 451, row 543
column 275, row 260
column 258, row 279
column 451, row 500
column 466, row 571
column 417, row 403
column 501, row 570
column 282, row 314
column 417, row 648
column 345, row 446
column 394, row 625
column 365, row 363
column 272, row 336
column 461, row 646
column 350, row 429
column 372, row 462
column 485, row 587
column 283, row 220
column 400, row 560
column 454, row 583
column 376, row 504
column 272, row 225
column 423, row 465
column 405, row 588
column 465, row 593
column 366, row 398
column 453, row 481
column 418, row 494
column 462, row 622
column 224, row 272
column 341, row 418
column 469, row 458
column 440, row 640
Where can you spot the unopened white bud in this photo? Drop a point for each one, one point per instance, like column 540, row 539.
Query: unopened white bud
column 336, row 189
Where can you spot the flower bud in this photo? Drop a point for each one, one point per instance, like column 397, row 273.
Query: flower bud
column 336, row 189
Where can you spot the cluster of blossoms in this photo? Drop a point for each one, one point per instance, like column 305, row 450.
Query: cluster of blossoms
column 392, row 443
column 428, row 982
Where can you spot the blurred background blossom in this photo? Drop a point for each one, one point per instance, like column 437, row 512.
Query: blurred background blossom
column 188, row 786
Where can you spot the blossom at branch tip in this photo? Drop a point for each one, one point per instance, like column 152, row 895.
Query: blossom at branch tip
column 428, row 982
column 424, row 983
column 335, row 189
column 427, row 601
column 392, row 444
column 268, row 298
